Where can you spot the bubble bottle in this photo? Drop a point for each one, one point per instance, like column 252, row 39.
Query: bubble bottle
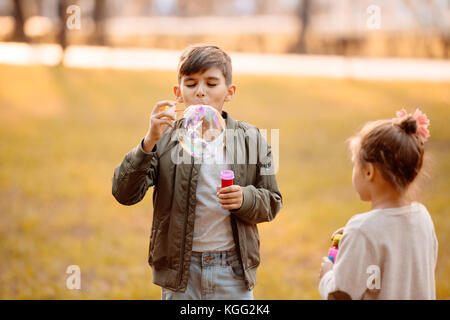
column 332, row 253
column 227, row 177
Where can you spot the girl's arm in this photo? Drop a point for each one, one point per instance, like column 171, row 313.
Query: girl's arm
column 351, row 273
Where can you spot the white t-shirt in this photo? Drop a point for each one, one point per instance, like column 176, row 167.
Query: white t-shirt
column 386, row 254
column 212, row 228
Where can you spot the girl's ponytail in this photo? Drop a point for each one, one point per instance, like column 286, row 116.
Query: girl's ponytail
column 409, row 125
column 413, row 123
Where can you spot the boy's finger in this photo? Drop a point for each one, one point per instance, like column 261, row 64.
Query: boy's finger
column 227, row 201
column 230, row 206
column 168, row 122
column 229, row 195
column 164, row 103
column 232, row 188
column 164, row 121
column 164, row 114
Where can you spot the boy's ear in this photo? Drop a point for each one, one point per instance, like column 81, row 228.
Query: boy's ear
column 177, row 92
column 231, row 92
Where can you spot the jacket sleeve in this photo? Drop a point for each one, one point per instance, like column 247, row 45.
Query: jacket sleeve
column 261, row 200
column 132, row 178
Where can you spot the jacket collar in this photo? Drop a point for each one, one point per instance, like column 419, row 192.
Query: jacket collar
column 230, row 122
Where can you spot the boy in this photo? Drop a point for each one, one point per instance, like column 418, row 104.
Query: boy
column 204, row 243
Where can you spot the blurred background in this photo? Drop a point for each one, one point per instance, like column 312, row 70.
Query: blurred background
column 78, row 81
column 412, row 28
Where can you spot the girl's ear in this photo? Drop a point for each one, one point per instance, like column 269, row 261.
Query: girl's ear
column 231, row 92
column 177, row 92
column 369, row 171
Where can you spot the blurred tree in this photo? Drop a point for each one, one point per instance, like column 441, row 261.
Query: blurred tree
column 62, row 35
column 99, row 17
column 19, row 34
column 430, row 15
column 348, row 38
column 304, row 15
column 190, row 8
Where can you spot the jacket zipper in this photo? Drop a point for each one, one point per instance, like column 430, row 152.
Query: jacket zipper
column 180, row 276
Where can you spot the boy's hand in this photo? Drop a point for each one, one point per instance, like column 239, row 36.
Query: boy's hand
column 159, row 120
column 326, row 266
column 230, row 197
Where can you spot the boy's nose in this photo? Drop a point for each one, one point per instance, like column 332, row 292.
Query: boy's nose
column 200, row 91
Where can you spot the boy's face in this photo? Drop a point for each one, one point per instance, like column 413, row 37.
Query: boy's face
column 207, row 88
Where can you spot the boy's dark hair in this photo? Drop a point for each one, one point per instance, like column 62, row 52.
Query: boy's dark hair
column 394, row 147
column 201, row 57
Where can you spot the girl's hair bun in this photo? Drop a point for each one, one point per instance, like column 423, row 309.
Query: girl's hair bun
column 409, row 125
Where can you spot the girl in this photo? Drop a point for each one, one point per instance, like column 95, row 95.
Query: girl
column 389, row 252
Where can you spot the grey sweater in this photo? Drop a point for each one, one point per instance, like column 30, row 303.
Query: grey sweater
column 385, row 254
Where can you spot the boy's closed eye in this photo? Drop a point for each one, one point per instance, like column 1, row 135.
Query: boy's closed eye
column 192, row 85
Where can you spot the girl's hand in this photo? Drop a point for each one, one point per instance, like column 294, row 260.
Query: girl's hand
column 338, row 231
column 326, row 266
column 230, row 197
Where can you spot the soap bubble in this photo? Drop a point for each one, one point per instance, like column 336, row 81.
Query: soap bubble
column 203, row 131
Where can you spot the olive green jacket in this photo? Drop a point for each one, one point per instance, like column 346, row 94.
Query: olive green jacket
column 174, row 199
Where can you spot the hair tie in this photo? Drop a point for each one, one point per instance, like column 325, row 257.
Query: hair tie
column 422, row 122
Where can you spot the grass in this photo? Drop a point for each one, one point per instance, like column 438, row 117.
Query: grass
column 63, row 131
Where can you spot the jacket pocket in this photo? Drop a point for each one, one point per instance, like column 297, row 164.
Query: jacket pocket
column 159, row 243
column 156, row 225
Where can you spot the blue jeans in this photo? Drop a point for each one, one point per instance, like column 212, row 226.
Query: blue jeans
column 213, row 276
